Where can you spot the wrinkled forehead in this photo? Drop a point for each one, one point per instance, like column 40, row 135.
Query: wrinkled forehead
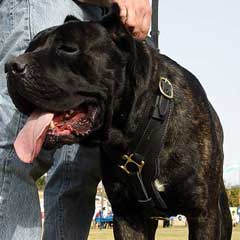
column 41, row 38
column 82, row 33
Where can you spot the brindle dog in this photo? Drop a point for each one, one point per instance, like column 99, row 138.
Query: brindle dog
column 99, row 82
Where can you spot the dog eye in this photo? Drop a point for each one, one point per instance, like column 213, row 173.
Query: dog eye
column 66, row 49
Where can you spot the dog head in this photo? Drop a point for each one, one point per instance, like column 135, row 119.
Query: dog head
column 72, row 76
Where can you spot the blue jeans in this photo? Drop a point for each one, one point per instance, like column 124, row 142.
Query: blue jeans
column 72, row 180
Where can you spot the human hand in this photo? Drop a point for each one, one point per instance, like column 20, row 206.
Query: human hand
column 136, row 16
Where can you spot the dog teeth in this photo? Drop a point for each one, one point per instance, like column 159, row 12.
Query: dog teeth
column 71, row 112
column 52, row 126
column 82, row 134
column 67, row 115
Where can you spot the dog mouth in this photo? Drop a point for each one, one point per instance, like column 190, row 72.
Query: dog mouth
column 52, row 130
column 71, row 126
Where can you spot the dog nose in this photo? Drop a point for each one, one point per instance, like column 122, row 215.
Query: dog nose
column 15, row 66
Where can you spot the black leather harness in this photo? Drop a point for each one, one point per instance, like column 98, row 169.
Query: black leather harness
column 140, row 166
column 145, row 153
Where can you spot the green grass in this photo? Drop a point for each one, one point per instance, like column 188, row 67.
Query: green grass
column 173, row 233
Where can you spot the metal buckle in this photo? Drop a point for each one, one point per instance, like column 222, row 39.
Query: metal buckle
column 164, row 93
column 129, row 160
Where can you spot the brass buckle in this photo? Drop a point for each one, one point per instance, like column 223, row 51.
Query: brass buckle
column 167, row 95
column 129, row 160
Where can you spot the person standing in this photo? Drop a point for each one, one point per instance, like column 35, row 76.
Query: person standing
column 75, row 172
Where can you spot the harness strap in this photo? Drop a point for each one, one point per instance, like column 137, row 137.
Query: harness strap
column 155, row 32
column 146, row 154
column 140, row 167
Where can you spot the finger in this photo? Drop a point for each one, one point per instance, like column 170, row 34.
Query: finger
column 123, row 14
column 138, row 28
column 131, row 18
column 145, row 26
column 138, row 34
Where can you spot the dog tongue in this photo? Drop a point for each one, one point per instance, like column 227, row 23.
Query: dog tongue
column 30, row 139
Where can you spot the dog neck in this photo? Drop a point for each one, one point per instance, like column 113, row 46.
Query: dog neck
column 138, row 96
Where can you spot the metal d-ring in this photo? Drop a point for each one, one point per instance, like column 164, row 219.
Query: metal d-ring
column 164, row 93
column 129, row 160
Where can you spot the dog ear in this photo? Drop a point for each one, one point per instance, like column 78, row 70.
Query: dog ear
column 71, row 18
column 118, row 32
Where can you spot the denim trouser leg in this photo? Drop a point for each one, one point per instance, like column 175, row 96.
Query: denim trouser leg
column 20, row 20
column 19, row 206
column 70, row 193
